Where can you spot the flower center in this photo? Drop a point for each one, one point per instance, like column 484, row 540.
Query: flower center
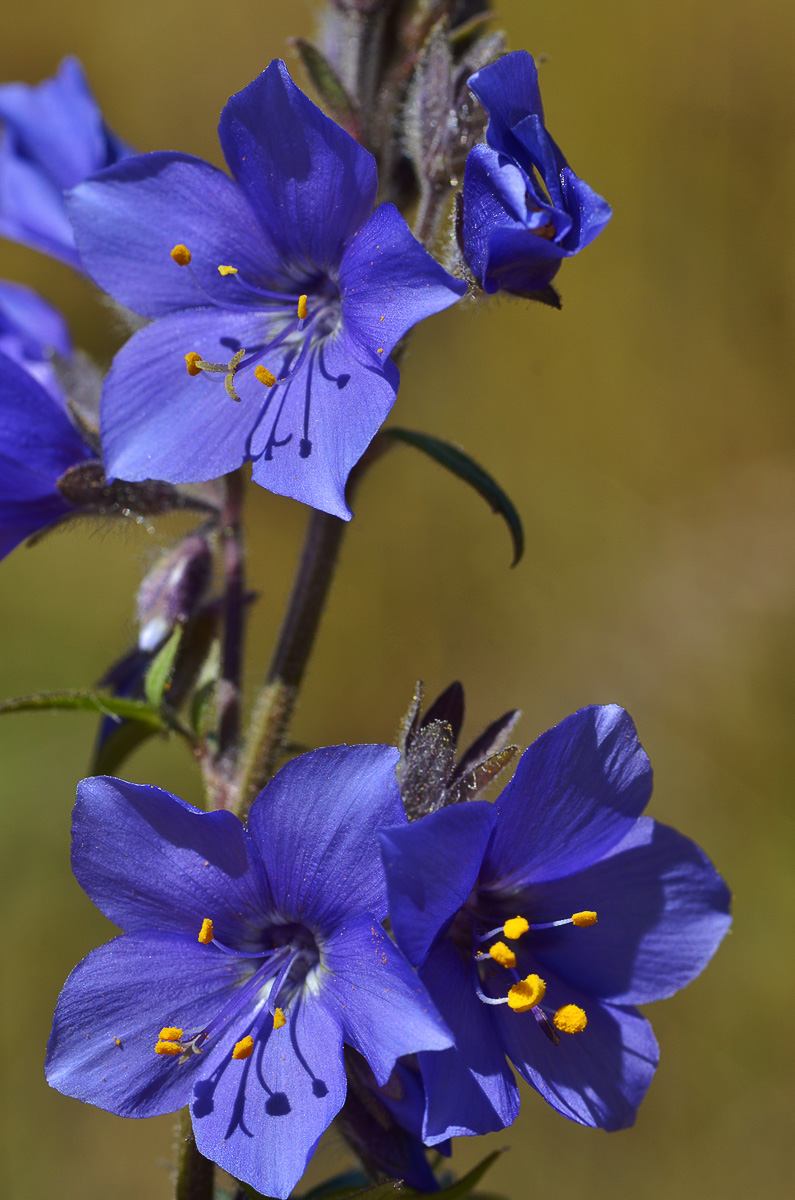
column 288, row 954
column 305, row 318
column 526, row 995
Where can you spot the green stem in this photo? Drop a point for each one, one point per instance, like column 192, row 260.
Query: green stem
column 194, row 1172
column 276, row 702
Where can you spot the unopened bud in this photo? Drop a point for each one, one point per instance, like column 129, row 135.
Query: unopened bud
column 173, row 590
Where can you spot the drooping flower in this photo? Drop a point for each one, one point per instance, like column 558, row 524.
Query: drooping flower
column 250, row 955
column 524, row 209
column 39, row 441
column 538, row 923
column 53, row 137
column 280, row 291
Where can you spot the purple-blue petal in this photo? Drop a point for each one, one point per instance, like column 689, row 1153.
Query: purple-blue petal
column 508, row 90
column 158, row 422
column 311, row 185
column 260, row 1118
column 588, row 210
column 577, row 791
column 319, row 425
column 54, row 137
column 470, row 1088
column 128, row 219
column 388, row 282
column 150, row 861
column 32, row 210
column 431, row 867
column 663, row 910
column 112, row 1007
column 39, row 326
column 385, row 1010
column 597, row 1077
column 314, row 827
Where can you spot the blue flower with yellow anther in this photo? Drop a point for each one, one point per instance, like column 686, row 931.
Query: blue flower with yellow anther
column 279, row 296
column 250, row 954
column 39, row 441
column 539, row 922
column 53, row 137
column 524, row 209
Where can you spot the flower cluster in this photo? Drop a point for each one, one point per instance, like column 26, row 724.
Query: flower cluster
column 251, row 954
column 368, row 941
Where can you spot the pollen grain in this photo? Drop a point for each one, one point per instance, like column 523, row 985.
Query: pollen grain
column 514, row 928
column 181, row 255
column 503, row 955
column 244, row 1048
column 584, row 918
column 206, row 932
column 526, row 994
column 192, row 360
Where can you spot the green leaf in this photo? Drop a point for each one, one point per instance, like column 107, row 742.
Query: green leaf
column 158, row 677
column 326, row 82
column 466, row 468
column 88, row 701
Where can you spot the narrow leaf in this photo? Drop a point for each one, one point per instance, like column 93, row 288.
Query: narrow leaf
column 466, row 468
column 158, row 677
column 464, row 1186
column 88, row 701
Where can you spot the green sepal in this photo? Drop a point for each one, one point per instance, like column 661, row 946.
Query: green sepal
column 158, row 676
column 466, row 468
column 326, row 82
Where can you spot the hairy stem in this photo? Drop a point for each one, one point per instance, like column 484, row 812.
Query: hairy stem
column 234, row 618
column 296, row 639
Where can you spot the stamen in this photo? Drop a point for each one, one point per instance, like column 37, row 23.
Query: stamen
column 192, row 360
column 181, row 255
column 514, row 928
column 584, row 918
column 570, row 1019
column 503, row 955
column 265, row 376
column 205, row 934
column 227, row 270
column 302, row 307
column 169, row 1033
column 527, row 994
column 168, row 1048
column 279, row 1018
column 244, row 1048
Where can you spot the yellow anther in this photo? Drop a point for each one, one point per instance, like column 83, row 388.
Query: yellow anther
column 302, row 307
column 586, row 917
column 570, row 1019
column 168, row 1048
column 503, row 955
column 227, row 270
column 514, row 928
column 264, row 375
column 244, row 1048
column 169, row 1034
column 279, row 1018
column 206, row 932
column 181, row 255
column 527, row 994
column 192, row 359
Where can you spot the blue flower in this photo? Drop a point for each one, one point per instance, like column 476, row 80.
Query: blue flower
column 38, row 438
column 524, row 209
column 538, row 923
column 280, row 291
column 250, row 955
column 54, row 137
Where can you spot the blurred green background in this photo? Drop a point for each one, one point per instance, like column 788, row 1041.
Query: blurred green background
column 646, row 435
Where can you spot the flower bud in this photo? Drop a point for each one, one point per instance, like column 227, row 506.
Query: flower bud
column 173, row 590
